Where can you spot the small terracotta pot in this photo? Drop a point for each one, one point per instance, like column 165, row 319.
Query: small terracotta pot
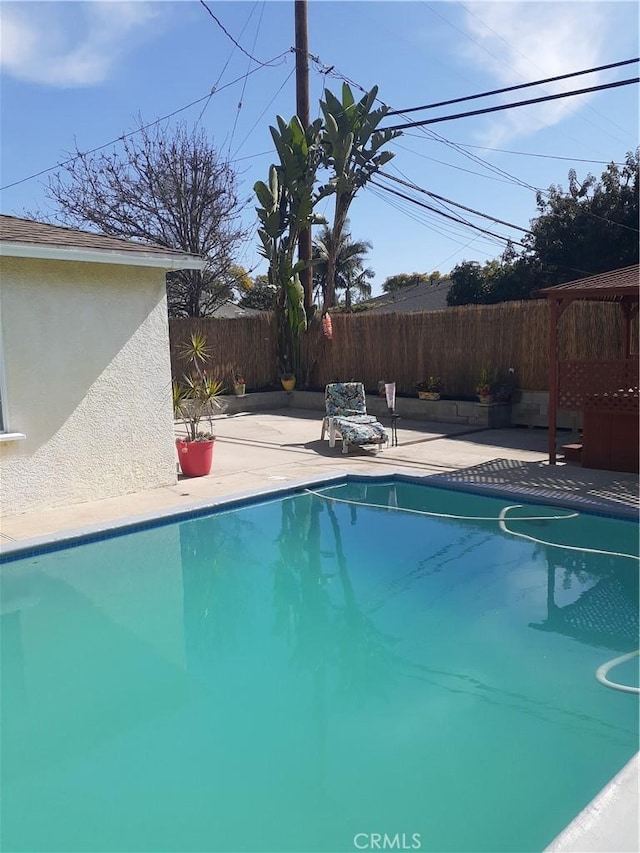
column 288, row 384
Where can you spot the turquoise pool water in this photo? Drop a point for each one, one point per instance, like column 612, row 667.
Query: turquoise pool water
column 298, row 674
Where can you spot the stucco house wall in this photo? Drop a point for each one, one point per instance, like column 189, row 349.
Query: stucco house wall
column 87, row 380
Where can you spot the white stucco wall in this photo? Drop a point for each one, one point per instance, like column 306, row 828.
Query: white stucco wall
column 88, row 381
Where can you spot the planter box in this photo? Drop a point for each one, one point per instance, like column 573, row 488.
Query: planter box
column 254, row 402
column 467, row 412
column 474, row 414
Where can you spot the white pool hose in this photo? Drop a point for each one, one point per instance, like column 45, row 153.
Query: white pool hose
column 442, row 514
column 601, row 672
column 505, row 529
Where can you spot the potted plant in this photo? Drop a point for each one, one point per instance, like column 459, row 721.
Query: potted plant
column 484, row 388
column 288, row 381
column 505, row 387
column 195, row 398
column 430, row 388
column 239, row 385
column 287, row 376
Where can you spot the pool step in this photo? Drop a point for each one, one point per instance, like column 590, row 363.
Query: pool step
column 572, row 452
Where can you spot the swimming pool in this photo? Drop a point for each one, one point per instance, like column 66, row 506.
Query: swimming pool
column 306, row 672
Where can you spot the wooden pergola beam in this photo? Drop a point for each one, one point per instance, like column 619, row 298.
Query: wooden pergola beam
column 557, row 307
column 629, row 307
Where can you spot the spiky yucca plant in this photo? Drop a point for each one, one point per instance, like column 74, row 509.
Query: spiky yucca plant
column 197, row 396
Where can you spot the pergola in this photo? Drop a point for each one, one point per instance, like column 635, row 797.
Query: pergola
column 610, row 386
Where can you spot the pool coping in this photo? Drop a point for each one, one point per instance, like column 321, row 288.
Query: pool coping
column 593, row 827
column 12, row 550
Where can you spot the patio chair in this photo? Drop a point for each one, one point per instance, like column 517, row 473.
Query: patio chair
column 346, row 417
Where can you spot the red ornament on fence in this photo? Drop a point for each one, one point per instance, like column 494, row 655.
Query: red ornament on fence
column 327, row 328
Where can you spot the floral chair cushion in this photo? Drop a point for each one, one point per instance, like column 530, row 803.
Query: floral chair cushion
column 347, row 416
column 345, row 398
column 355, row 432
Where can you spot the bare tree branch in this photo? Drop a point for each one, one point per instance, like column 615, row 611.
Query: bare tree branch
column 165, row 188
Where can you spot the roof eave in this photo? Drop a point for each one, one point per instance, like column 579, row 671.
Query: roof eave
column 140, row 258
column 610, row 294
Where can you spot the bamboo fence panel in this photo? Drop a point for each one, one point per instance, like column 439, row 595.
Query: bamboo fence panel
column 455, row 344
column 245, row 345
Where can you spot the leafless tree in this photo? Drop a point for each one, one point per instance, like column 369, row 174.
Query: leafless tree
column 168, row 188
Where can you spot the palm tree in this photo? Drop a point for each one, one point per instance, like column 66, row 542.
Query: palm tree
column 351, row 275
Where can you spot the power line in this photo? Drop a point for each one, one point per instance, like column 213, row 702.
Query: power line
column 479, row 160
column 544, row 156
column 454, row 203
column 244, row 82
column 255, row 124
column 446, row 215
column 535, row 65
column 237, row 44
column 486, row 164
column 473, row 157
column 526, row 103
column 224, row 68
column 428, row 220
column 450, row 165
column 457, row 252
column 513, row 88
column 456, row 146
column 500, row 59
column 491, row 167
column 124, row 136
column 440, row 200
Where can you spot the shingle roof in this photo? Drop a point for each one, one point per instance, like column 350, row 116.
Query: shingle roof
column 606, row 285
column 415, row 297
column 230, row 311
column 27, row 232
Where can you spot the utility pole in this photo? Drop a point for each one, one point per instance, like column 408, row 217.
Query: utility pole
column 302, row 111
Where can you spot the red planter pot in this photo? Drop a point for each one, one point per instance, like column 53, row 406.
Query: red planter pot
column 195, row 457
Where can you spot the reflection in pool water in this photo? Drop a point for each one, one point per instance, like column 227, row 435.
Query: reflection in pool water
column 292, row 673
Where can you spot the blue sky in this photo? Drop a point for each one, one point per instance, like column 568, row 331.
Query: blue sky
column 79, row 73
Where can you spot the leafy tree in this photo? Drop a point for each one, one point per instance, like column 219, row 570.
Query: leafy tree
column 396, row 282
column 353, row 153
column 590, row 229
column 216, row 292
column 510, row 277
column 469, row 284
column 167, row 188
column 261, row 295
column 351, row 275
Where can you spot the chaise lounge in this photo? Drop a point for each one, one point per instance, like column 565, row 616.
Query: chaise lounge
column 346, row 417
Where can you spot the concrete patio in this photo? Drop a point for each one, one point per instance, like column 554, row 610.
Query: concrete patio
column 256, row 450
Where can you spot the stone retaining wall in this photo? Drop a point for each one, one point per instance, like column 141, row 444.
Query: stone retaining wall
column 474, row 414
column 531, row 409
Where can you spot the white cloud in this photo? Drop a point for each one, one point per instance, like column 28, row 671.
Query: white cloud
column 70, row 44
column 531, row 41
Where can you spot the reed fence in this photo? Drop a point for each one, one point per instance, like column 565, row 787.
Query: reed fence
column 455, row 344
column 247, row 346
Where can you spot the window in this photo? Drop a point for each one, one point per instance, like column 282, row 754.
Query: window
column 5, row 433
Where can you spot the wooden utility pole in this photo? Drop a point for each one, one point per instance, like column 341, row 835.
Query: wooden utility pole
column 302, row 111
